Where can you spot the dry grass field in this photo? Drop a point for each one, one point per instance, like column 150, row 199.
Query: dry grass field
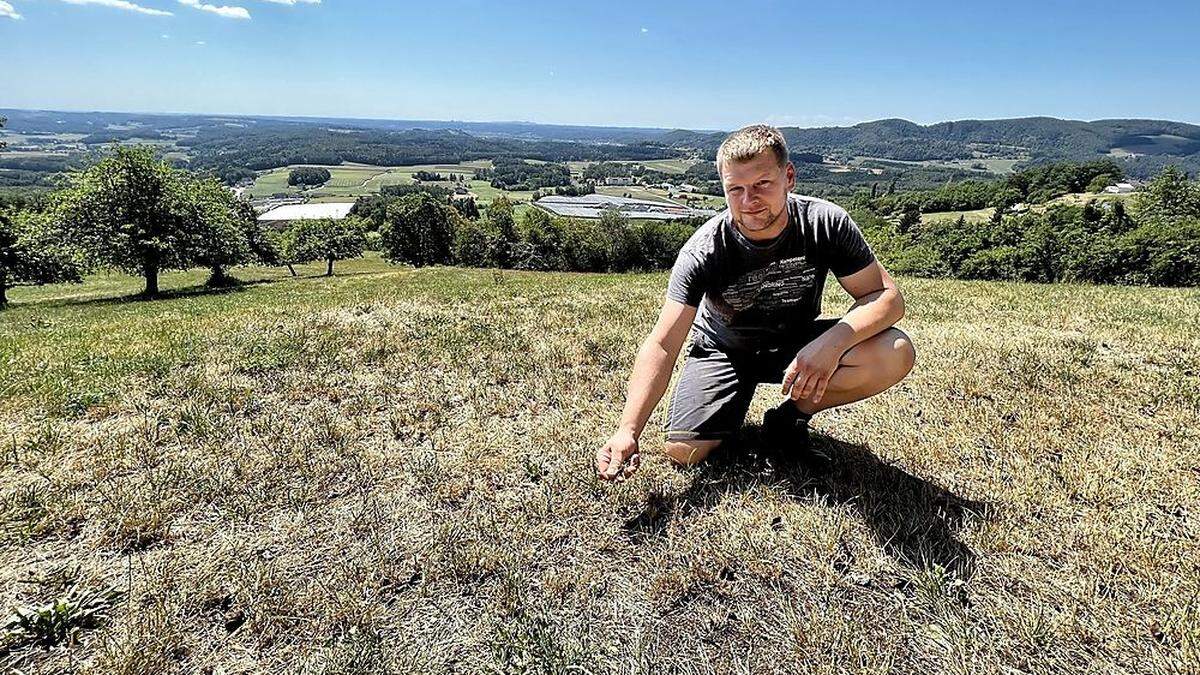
column 391, row 471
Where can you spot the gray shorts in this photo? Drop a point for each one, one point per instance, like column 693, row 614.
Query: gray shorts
column 716, row 387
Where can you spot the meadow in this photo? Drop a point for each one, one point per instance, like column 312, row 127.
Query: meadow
column 391, row 470
column 985, row 214
column 356, row 180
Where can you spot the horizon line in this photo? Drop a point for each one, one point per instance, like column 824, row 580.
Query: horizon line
column 592, row 126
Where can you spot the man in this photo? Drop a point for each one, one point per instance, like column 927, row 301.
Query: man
column 748, row 284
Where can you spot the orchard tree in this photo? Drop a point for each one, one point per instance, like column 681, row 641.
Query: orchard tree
column 503, row 222
column 131, row 211
column 227, row 228
column 32, row 253
column 419, row 230
column 323, row 239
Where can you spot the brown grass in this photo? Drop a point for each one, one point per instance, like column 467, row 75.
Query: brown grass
column 390, row 471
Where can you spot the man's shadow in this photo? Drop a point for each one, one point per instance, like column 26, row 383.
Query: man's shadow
column 912, row 519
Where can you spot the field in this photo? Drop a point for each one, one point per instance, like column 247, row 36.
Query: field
column 348, row 181
column 985, row 214
column 989, row 164
column 677, row 166
column 391, row 470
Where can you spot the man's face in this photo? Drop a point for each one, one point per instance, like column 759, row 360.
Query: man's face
column 757, row 191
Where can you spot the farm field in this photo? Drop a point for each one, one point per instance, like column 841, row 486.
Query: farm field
column 349, row 181
column 984, row 215
column 390, row 470
column 991, row 164
column 973, row 216
column 665, row 165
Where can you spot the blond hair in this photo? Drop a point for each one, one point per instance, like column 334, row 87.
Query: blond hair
column 745, row 144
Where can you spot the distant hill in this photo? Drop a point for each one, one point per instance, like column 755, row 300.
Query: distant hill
column 1142, row 146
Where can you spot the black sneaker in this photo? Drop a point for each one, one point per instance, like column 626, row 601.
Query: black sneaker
column 785, row 437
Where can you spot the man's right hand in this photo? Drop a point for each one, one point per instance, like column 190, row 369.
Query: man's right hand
column 619, row 457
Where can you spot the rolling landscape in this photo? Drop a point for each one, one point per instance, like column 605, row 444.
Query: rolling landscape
column 345, row 338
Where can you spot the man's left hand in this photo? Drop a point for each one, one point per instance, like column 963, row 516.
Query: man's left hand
column 809, row 373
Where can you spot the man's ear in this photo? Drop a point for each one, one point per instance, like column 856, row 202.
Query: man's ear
column 790, row 170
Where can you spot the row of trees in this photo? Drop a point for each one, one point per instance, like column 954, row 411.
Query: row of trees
column 133, row 212
column 1156, row 241
column 309, row 175
column 420, row 230
column 1035, row 185
column 518, row 174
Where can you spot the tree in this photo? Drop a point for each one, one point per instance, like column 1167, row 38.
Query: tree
column 323, row 239
column 467, row 208
column 308, row 175
column 227, row 230
column 910, row 216
column 623, row 242
column 418, row 230
column 1169, row 196
column 31, row 253
column 500, row 215
column 132, row 211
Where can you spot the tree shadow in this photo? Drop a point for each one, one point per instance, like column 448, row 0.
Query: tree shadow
column 912, row 519
column 233, row 286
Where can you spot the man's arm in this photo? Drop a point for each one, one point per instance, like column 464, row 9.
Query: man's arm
column 878, row 305
column 647, row 384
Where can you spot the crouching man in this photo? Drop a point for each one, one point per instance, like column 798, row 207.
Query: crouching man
column 748, row 286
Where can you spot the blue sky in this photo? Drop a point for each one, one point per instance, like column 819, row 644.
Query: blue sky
column 711, row 65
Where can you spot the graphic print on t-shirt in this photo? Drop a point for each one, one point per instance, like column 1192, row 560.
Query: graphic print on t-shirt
column 783, row 283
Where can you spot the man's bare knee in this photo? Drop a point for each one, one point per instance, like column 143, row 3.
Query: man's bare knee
column 686, row 453
column 903, row 354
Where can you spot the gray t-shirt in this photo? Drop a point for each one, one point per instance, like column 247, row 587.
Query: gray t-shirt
column 760, row 295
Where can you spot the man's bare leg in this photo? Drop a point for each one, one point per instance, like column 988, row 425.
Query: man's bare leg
column 686, row 453
column 868, row 368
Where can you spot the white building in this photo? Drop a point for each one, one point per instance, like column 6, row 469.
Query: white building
column 593, row 206
column 1119, row 189
column 280, row 216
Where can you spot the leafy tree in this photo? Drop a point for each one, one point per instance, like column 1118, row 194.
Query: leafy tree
column 545, row 241
column 32, row 253
column 323, row 239
column 475, row 243
column 227, row 230
column 308, row 175
column 419, row 230
column 910, row 216
column 133, row 212
column 1169, row 196
column 500, row 216
column 466, row 207
column 623, row 242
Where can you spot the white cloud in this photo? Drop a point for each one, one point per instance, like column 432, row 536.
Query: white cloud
column 201, row 42
column 120, row 4
column 219, row 10
column 165, row 36
column 294, row 2
column 645, row 30
column 8, row 10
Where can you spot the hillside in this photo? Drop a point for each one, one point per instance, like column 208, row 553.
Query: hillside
column 1142, row 146
column 391, row 470
column 223, row 142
